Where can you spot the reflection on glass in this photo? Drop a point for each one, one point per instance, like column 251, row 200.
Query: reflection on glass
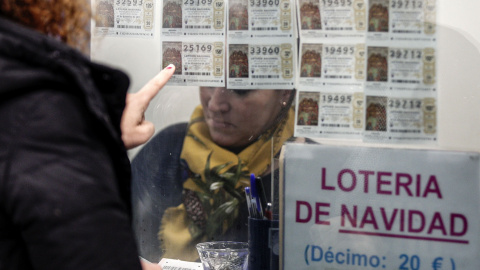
column 189, row 180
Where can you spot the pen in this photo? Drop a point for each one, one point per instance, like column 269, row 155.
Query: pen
column 249, row 201
column 268, row 211
column 261, row 192
column 257, row 205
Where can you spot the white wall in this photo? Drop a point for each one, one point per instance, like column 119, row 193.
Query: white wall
column 459, row 74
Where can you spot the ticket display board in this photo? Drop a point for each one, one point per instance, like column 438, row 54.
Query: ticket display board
column 347, row 207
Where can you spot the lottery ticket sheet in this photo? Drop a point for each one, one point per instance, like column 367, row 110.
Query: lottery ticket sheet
column 193, row 18
column 360, row 66
column 401, row 69
column 369, row 118
column 331, row 65
column 193, row 39
column 124, row 18
column 399, row 85
column 197, row 62
column 329, row 115
column 332, row 18
column 407, row 20
column 383, row 53
column 261, row 65
column 261, row 44
column 401, row 93
column 261, row 19
column 400, row 120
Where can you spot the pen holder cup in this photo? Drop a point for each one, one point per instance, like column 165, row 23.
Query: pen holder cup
column 262, row 244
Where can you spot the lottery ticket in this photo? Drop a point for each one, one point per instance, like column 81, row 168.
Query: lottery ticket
column 408, row 20
column 261, row 66
column 193, row 18
column 260, row 19
column 332, row 18
column 196, row 62
column 341, row 65
column 124, row 18
column 401, row 69
column 397, row 119
column 330, row 115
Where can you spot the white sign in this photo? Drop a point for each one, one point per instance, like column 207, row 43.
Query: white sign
column 377, row 208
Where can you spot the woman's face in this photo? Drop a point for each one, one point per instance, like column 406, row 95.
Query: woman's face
column 237, row 117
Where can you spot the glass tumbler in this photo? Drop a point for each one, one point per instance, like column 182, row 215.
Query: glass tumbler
column 223, row 255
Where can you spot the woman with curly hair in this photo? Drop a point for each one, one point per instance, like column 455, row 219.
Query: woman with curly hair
column 67, row 20
column 66, row 125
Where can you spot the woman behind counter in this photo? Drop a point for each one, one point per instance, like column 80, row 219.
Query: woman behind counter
column 188, row 181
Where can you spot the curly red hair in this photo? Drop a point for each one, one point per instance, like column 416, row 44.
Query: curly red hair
column 68, row 20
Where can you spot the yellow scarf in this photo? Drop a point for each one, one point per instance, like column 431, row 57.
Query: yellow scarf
column 214, row 190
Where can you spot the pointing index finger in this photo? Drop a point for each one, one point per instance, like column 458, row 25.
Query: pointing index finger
column 151, row 89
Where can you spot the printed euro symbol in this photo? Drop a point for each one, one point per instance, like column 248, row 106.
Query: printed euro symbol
column 437, row 263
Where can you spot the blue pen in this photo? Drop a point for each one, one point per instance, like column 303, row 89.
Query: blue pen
column 254, row 193
column 249, row 201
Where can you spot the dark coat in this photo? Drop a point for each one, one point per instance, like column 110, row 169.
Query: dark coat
column 157, row 183
column 64, row 172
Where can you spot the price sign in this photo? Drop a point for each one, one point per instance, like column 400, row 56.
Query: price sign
column 378, row 208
